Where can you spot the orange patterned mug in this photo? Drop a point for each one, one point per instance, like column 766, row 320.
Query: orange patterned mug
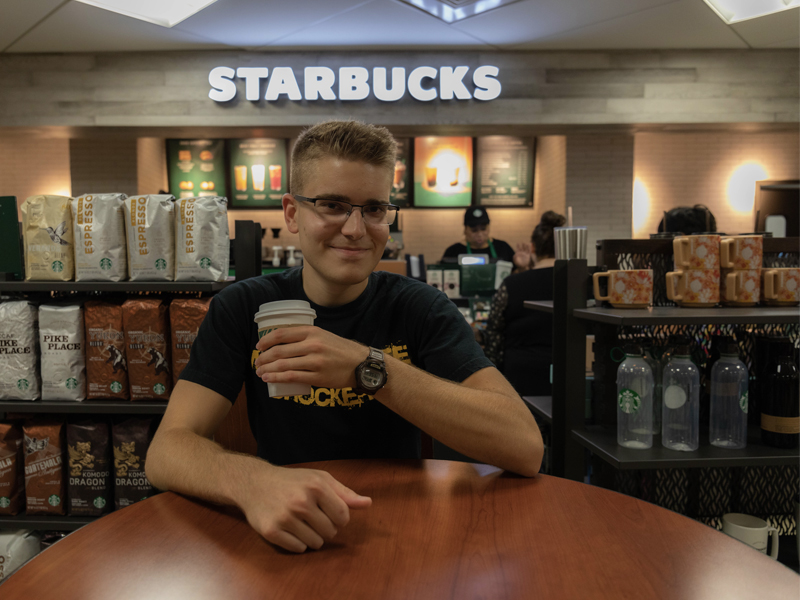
column 741, row 252
column 626, row 289
column 696, row 287
column 781, row 287
column 696, row 252
column 740, row 287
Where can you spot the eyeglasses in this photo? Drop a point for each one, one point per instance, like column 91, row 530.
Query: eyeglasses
column 338, row 211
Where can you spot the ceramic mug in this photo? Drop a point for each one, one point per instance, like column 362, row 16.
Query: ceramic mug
column 696, row 287
column 696, row 252
column 626, row 289
column 752, row 531
column 740, row 287
column 741, row 252
column 781, row 287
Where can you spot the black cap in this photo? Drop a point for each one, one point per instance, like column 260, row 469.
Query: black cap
column 682, row 346
column 729, row 348
column 633, row 349
column 476, row 215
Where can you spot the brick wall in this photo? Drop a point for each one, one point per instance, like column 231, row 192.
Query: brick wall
column 682, row 169
column 550, row 175
column 32, row 166
column 151, row 165
column 103, row 165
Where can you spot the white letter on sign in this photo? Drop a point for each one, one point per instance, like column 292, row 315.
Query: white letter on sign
column 353, row 83
column 415, row 83
column 318, row 82
column 252, row 80
column 451, row 83
column 282, row 82
column 398, row 84
column 486, row 86
column 221, row 80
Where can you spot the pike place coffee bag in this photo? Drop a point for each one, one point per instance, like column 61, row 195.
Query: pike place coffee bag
column 149, row 228
column 49, row 247
column 131, row 438
column 44, row 472
column 147, row 349
column 185, row 317
column 100, row 251
column 12, row 475
column 62, row 348
column 19, row 351
column 202, row 249
column 89, row 487
column 106, row 366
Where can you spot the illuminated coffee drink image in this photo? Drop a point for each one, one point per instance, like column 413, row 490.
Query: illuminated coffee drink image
column 275, row 177
column 258, row 172
column 399, row 174
column 430, row 176
column 240, row 177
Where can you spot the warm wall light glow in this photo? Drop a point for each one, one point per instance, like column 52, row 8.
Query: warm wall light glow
column 63, row 192
column 641, row 207
column 742, row 186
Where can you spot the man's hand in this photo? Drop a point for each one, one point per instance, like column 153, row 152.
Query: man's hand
column 299, row 508
column 310, row 355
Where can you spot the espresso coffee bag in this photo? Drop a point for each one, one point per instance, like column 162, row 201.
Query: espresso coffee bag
column 44, row 472
column 131, row 438
column 149, row 228
column 106, row 366
column 48, row 235
column 147, row 349
column 100, row 250
column 185, row 317
column 12, row 474
column 19, row 351
column 62, row 349
column 89, row 487
column 202, row 250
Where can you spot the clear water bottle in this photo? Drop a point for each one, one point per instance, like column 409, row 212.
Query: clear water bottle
column 729, row 400
column 681, row 412
column 655, row 366
column 634, row 400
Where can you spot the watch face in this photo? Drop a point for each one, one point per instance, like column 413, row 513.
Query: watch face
column 371, row 377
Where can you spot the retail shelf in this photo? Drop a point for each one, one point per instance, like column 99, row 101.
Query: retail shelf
column 540, row 305
column 541, row 405
column 666, row 315
column 603, row 443
column 120, row 286
column 45, row 522
column 126, row 407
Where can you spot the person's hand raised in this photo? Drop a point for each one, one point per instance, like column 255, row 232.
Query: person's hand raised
column 523, row 256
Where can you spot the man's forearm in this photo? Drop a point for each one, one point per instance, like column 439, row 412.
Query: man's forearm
column 491, row 426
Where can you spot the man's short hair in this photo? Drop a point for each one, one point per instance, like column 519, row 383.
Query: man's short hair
column 347, row 140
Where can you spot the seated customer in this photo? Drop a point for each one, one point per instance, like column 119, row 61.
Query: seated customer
column 387, row 356
column 518, row 340
column 478, row 240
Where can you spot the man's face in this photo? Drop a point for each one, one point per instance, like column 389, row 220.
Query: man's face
column 340, row 254
column 477, row 236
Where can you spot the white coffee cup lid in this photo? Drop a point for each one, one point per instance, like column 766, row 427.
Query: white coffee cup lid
column 283, row 308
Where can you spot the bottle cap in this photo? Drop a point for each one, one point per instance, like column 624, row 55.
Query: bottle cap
column 730, row 348
column 633, row 349
column 683, row 349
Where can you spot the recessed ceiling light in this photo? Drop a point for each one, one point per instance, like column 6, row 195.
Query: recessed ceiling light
column 451, row 11
column 734, row 11
column 166, row 13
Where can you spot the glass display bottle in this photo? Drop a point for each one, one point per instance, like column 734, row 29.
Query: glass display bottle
column 780, row 398
column 634, row 400
column 729, row 400
column 681, row 407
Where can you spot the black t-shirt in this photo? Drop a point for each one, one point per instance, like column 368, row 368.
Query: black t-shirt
column 407, row 319
column 501, row 248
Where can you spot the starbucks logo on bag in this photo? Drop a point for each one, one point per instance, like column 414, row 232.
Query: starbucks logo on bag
column 57, row 266
column 161, row 264
column 5, row 502
column 629, row 401
column 99, row 502
column 72, row 383
column 205, row 263
column 159, row 389
column 744, row 401
column 54, row 500
column 116, row 387
column 22, row 385
column 105, row 264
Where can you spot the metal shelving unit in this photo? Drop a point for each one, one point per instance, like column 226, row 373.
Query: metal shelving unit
column 669, row 315
column 45, row 522
column 540, row 305
column 108, row 407
column 187, row 287
column 541, row 405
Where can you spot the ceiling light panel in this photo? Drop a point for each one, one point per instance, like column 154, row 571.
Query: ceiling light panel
column 166, row 13
column 735, row 11
column 451, row 11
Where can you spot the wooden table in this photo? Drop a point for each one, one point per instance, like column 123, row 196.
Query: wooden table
column 436, row 530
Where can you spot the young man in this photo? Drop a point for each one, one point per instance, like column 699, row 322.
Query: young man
column 339, row 205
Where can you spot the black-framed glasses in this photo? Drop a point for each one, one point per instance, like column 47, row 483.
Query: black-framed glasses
column 338, row 211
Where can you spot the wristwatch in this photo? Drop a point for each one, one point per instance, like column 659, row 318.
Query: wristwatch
column 371, row 374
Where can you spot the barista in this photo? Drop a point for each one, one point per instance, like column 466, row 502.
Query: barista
column 478, row 239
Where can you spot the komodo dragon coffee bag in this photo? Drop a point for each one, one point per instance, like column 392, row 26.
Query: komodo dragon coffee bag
column 131, row 439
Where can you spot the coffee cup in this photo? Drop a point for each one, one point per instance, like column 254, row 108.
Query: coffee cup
column 740, row 287
column 695, row 287
column 626, row 289
column 781, row 287
column 696, row 252
column 752, row 531
column 741, row 252
column 277, row 315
